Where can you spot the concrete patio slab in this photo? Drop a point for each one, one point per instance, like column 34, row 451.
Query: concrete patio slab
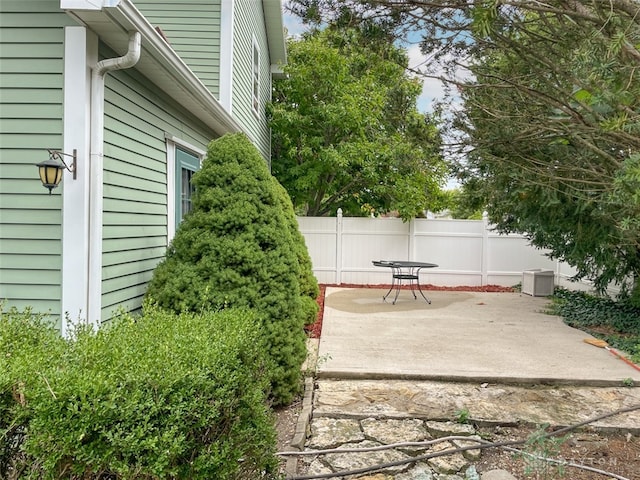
column 462, row 336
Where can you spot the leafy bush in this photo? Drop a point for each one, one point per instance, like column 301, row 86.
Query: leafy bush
column 28, row 343
column 616, row 322
column 162, row 396
column 238, row 248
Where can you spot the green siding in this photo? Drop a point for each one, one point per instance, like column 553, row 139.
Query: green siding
column 192, row 28
column 31, row 59
column 137, row 116
column 249, row 22
column 135, row 184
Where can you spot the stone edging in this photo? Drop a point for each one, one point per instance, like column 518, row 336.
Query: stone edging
column 302, row 427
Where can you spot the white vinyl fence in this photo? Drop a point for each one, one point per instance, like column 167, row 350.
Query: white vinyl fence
column 467, row 252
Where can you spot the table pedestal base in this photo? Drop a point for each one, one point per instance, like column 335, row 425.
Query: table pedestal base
column 397, row 283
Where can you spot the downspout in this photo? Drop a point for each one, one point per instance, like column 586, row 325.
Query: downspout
column 94, row 300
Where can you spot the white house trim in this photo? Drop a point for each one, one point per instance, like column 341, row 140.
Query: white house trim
column 171, row 189
column 186, row 145
column 80, row 51
column 226, row 54
column 256, row 77
column 275, row 35
column 88, row 4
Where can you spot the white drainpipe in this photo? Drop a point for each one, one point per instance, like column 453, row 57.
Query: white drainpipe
column 94, row 302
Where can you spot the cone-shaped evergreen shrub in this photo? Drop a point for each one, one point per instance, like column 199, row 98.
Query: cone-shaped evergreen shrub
column 237, row 248
column 308, row 283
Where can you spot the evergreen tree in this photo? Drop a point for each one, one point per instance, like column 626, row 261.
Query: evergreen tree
column 238, row 248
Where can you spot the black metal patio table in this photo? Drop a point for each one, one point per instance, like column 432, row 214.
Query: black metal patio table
column 403, row 270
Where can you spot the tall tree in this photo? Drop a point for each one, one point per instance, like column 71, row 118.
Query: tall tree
column 551, row 119
column 346, row 130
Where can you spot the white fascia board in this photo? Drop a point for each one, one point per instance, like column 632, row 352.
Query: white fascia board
column 87, row 4
column 275, row 31
column 158, row 62
column 277, row 71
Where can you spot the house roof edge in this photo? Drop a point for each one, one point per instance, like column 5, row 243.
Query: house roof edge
column 159, row 61
column 275, row 31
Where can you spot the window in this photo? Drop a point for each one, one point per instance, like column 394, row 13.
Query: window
column 183, row 160
column 186, row 165
column 255, row 96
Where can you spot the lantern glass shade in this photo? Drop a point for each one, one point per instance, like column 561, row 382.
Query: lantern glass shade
column 50, row 173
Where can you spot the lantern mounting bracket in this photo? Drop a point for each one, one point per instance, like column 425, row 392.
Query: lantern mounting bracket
column 58, row 155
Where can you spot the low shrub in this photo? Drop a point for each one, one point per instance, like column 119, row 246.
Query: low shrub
column 29, row 344
column 616, row 322
column 156, row 397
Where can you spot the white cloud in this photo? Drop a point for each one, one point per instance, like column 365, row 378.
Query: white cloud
column 432, row 89
column 293, row 24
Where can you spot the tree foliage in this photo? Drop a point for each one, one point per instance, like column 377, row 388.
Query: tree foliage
column 550, row 148
column 238, row 247
column 346, row 131
column 550, row 124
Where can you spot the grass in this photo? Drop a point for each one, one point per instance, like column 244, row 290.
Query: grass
column 615, row 322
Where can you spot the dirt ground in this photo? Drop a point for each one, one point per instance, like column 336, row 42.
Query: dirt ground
column 617, row 453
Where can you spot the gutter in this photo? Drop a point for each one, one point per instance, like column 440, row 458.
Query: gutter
column 110, row 18
column 99, row 72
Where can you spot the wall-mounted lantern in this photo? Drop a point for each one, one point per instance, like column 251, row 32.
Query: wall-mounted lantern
column 51, row 170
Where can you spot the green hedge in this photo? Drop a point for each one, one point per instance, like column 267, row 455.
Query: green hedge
column 157, row 397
